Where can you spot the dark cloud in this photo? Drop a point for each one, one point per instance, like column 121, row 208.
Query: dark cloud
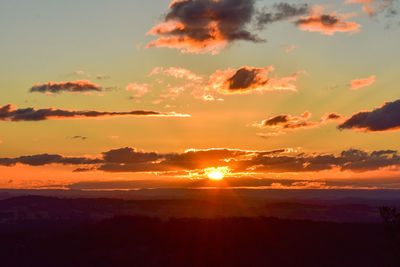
column 79, row 137
column 72, row 86
column 131, row 160
column 279, row 12
column 239, row 162
column 201, row 26
column 129, row 155
column 329, row 117
column 243, row 161
column 358, row 160
column 246, row 80
column 10, row 113
column 285, row 121
column 352, row 160
column 384, row 118
column 44, row 159
column 333, row 116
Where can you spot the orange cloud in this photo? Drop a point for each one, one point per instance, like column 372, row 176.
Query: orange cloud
column 186, row 44
column 248, row 80
column 372, row 7
column 357, row 84
column 179, row 73
column 172, row 93
column 327, row 24
column 282, row 123
column 140, row 89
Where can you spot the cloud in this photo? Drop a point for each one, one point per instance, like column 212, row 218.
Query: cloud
column 282, row 123
column 281, row 11
column 285, row 121
column 331, row 117
column 242, row 161
column 71, row 86
column 327, row 24
column 357, row 84
column 290, row 48
column 239, row 162
column 45, row 159
column 153, row 162
column 383, row 118
column 140, row 89
column 79, row 137
column 129, row 155
column 179, row 73
column 248, row 80
column 102, row 77
column 208, row 26
column 172, row 93
column 194, row 81
column 202, row 26
column 10, row 113
column 351, row 160
column 245, row 80
column 373, row 7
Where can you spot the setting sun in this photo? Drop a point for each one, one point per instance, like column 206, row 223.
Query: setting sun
column 216, row 173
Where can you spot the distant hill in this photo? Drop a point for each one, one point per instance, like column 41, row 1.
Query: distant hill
column 36, row 208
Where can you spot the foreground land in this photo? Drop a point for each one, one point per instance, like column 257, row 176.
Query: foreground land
column 143, row 241
column 210, row 229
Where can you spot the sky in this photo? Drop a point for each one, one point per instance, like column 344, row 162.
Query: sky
column 182, row 93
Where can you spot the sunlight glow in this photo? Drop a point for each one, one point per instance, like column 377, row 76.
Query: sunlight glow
column 217, row 173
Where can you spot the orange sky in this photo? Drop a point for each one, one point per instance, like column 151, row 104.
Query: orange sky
column 276, row 94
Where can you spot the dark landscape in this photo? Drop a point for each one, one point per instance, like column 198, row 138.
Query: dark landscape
column 198, row 228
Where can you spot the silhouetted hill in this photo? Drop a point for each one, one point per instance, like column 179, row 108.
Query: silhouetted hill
column 52, row 208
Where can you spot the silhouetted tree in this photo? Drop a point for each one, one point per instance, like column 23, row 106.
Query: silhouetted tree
column 391, row 221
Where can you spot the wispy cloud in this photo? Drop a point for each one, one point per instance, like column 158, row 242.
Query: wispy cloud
column 359, row 83
column 373, row 7
column 139, row 89
column 177, row 72
column 78, row 86
column 328, row 24
column 10, row 113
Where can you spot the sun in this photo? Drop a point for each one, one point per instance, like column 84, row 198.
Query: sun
column 216, row 173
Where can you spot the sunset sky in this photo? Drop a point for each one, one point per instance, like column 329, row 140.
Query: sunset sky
column 132, row 94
